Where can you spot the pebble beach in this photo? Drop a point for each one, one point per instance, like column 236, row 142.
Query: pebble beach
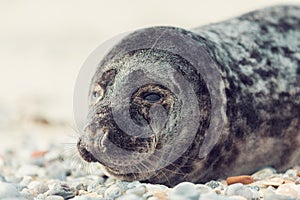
column 43, row 46
column 32, row 169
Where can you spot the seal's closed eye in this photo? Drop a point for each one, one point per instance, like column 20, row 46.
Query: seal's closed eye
column 151, row 97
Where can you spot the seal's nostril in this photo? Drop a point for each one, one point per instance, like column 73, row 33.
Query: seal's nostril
column 84, row 153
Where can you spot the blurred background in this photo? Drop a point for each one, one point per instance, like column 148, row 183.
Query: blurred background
column 43, row 44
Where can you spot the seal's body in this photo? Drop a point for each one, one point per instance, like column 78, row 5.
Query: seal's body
column 170, row 105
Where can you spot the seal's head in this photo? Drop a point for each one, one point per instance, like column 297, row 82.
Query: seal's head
column 149, row 111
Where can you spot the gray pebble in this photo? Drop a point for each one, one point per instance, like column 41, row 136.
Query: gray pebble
column 8, row 190
column 41, row 197
column 25, row 181
column 213, row 184
column 38, row 187
column 26, row 194
column 264, row 173
column 113, row 192
column 61, row 190
column 92, row 186
column 242, row 190
column 86, row 197
column 184, row 190
column 138, row 190
column 202, row 189
column 214, row 196
column 101, row 190
column 54, row 197
column 2, row 178
column 56, row 171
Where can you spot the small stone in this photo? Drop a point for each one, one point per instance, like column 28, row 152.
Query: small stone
column 139, row 190
column 56, row 171
column 275, row 182
column 264, row 173
column 133, row 184
column 101, row 190
column 28, row 170
column 8, row 190
column 38, row 187
column 184, row 190
column 161, row 195
column 37, row 154
column 153, row 198
column 154, row 188
column 129, row 197
column 202, row 189
column 41, row 197
column 61, row 190
column 25, row 181
column 214, row 196
column 298, row 174
column 290, row 173
column 240, row 190
column 245, row 179
column 26, row 194
column 291, row 190
column 113, row 192
column 269, row 194
column 54, row 197
column 213, row 184
column 2, row 178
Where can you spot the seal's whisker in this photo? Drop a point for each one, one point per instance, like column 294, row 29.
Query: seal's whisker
column 179, row 156
column 167, row 163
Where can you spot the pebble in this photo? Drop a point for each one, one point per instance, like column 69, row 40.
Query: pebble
column 213, row 184
column 270, row 194
column 61, row 190
column 239, row 189
column 130, row 197
column 184, row 190
column 202, row 189
column 8, row 190
column 291, row 190
column 138, row 190
column 50, row 175
column 113, row 192
column 245, row 179
column 28, row 170
column 38, row 187
column 54, row 197
column 264, row 173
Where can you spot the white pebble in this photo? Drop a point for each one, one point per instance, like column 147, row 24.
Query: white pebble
column 291, row 190
column 38, row 187
column 54, row 197
column 129, row 197
column 202, row 189
column 139, row 190
column 28, row 170
column 184, row 190
column 8, row 190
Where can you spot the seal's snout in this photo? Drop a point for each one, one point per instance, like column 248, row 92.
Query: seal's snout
column 84, row 153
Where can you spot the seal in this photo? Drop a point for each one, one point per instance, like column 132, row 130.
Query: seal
column 168, row 105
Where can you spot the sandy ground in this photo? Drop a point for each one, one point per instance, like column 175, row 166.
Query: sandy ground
column 43, row 45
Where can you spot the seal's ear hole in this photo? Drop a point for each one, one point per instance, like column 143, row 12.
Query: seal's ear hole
column 151, row 97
